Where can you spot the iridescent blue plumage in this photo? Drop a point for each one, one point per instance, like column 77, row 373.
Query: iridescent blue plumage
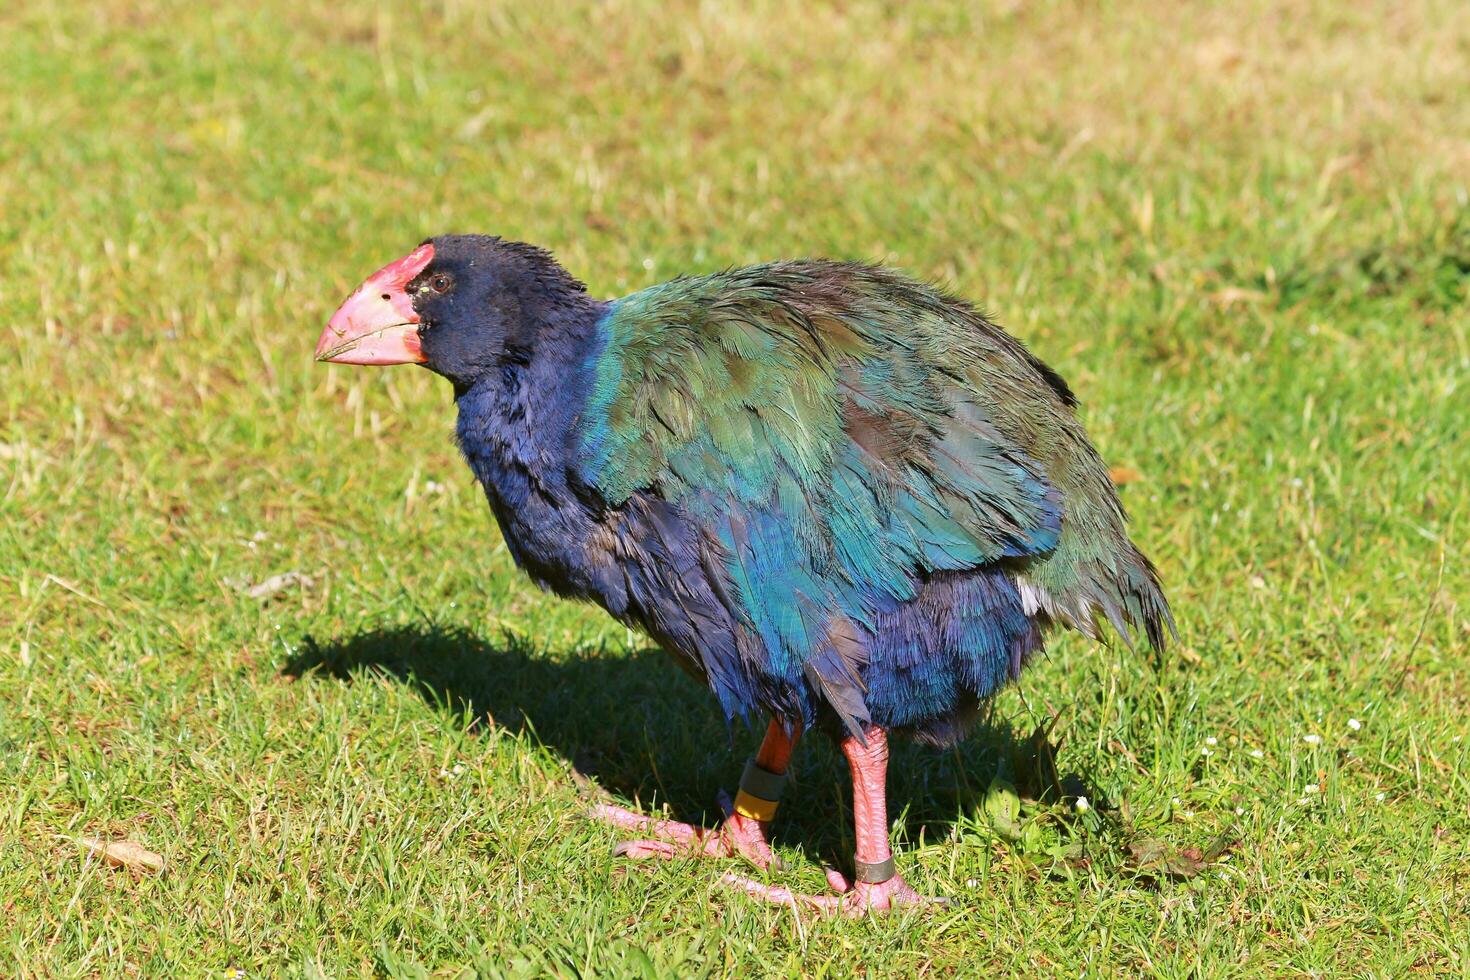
column 826, row 426
column 838, row 496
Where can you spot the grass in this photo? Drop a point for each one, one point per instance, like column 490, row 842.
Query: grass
column 1242, row 232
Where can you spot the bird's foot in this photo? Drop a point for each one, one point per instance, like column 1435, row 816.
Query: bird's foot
column 737, row 836
column 852, row 899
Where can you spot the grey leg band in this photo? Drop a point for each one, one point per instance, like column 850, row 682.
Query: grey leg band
column 875, row 874
column 761, row 783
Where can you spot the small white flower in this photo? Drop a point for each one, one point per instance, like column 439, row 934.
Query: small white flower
column 1354, row 724
column 1188, row 814
column 1257, row 754
column 1380, row 797
column 1312, row 739
column 1175, row 802
column 1082, row 805
column 1313, row 788
column 1240, row 811
column 1205, row 751
column 458, row 768
column 1212, row 740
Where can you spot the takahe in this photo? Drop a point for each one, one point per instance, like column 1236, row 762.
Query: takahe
column 842, row 498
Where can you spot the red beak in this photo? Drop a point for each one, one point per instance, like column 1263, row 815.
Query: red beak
column 377, row 324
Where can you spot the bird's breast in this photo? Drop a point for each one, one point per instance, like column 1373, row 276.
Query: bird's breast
column 551, row 534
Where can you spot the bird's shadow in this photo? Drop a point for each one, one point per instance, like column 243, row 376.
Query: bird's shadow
column 647, row 733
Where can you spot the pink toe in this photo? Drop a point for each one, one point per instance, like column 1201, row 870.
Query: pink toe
column 777, row 895
column 671, row 830
column 642, row 850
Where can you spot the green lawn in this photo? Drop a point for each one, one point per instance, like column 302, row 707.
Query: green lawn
column 1243, row 234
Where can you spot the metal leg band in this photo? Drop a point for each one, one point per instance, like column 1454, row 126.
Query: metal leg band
column 761, row 783
column 875, row 874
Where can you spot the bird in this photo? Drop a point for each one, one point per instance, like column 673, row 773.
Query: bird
column 842, row 498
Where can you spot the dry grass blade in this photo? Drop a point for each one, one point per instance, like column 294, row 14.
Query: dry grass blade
column 278, row 585
column 1231, row 296
column 125, row 854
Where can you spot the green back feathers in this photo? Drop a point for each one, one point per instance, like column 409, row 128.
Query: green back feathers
column 864, row 428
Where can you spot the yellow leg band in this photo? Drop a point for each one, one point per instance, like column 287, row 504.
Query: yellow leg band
column 754, row 807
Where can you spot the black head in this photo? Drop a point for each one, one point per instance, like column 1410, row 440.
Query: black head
column 483, row 301
column 461, row 305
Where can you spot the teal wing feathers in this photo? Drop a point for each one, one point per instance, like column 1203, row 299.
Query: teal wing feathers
column 841, row 433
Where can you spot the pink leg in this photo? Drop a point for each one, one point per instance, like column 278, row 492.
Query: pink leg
column 737, row 835
column 869, row 765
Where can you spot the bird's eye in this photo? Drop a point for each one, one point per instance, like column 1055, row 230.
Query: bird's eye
column 439, row 284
